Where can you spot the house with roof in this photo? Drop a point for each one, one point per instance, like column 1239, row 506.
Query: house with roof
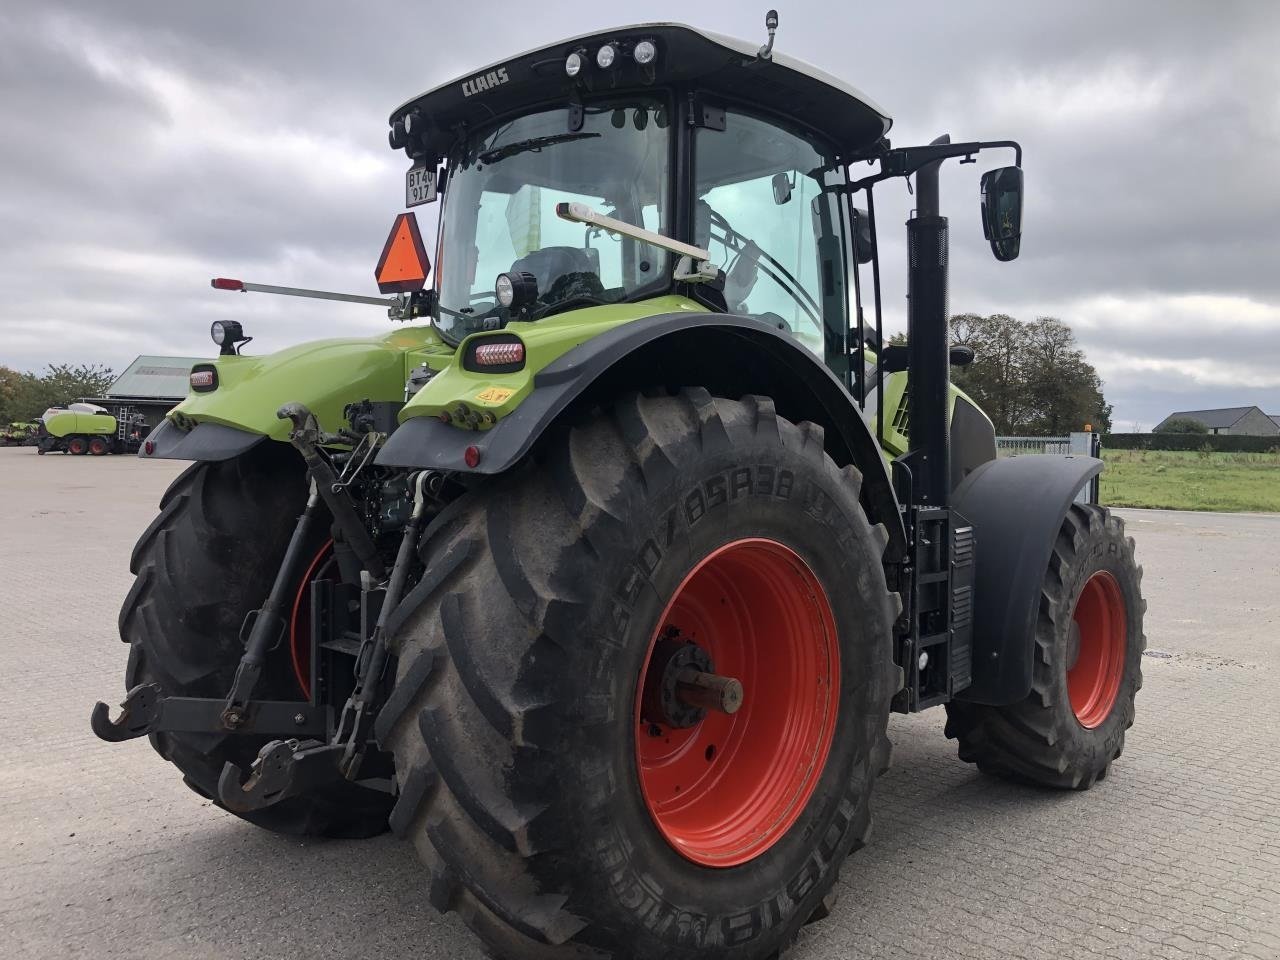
column 1231, row 421
column 149, row 386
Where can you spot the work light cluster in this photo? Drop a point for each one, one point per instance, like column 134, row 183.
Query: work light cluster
column 643, row 52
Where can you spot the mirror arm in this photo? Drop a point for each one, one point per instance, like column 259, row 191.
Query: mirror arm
column 905, row 161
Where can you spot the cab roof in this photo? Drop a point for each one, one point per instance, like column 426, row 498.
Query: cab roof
column 709, row 63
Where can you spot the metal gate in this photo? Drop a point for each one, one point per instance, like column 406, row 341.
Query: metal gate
column 1080, row 444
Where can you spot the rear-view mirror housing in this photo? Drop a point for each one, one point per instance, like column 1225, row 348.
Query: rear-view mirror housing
column 1002, row 211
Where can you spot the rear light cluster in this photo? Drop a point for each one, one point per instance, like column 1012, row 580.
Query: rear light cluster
column 499, row 354
column 204, row 377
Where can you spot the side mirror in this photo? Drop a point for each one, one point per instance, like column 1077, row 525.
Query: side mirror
column 863, row 248
column 781, row 188
column 1002, row 211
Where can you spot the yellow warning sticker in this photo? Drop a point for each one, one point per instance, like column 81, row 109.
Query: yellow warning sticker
column 495, row 395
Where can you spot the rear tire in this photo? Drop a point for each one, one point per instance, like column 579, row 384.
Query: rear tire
column 205, row 561
column 514, row 718
column 77, row 446
column 1086, row 672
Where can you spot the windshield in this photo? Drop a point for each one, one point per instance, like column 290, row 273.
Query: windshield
column 499, row 214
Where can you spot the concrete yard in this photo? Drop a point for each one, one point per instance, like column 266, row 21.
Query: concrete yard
column 104, row 853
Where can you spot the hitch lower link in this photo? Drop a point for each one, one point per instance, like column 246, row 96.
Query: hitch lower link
column 298, row 759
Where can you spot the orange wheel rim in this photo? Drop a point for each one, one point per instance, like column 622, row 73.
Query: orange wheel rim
column 1093, row 681
column 725, row 789
column 300, row 618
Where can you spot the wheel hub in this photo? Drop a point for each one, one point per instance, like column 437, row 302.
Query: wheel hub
column 681, row 685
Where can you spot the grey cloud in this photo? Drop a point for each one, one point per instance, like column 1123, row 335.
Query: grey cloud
column 116, row 208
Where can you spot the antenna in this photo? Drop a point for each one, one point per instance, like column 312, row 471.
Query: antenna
column 771, row 24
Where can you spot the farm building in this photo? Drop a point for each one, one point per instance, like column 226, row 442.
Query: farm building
column 149, row 386
column 1232, row 421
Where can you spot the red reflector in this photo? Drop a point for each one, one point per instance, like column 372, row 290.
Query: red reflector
column 472, row 456
column 499, row 354
column 202, row 378
column 222, row 283
column 149, row 447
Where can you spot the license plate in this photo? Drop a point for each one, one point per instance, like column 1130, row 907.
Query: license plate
column 419, row 186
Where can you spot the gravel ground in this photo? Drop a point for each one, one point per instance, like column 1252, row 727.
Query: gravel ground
column 104, row 853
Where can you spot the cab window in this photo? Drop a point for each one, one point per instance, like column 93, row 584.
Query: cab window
column 762, row 211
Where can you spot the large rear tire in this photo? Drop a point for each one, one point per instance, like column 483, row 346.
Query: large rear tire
column 1086, row 672
column 78, row 446
column 206, row 561
column 525, row 758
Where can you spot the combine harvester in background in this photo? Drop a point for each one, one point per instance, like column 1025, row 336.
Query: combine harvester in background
column 82, row 428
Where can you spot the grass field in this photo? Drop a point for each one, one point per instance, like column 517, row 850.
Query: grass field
column 1186, row 480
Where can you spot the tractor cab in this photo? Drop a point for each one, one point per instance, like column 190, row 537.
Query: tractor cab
column 696, row 137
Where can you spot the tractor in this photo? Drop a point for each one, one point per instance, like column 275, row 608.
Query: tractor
column 599, row 578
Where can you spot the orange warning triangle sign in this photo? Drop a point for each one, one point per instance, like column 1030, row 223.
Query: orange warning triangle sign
column 403, row 266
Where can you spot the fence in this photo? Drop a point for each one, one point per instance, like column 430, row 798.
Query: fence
column 1082, row 444
column 1013, row 446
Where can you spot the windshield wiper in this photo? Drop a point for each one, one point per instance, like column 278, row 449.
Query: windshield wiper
column 532, row 144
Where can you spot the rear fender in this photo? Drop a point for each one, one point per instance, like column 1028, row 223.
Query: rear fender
column 730, row 356
column 1016, row 507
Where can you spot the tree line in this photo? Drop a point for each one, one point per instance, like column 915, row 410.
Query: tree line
column 1032, row 379
column 26, row 395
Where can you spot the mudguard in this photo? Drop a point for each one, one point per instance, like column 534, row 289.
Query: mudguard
column 205, row 441
column 1016, row 506
column 725, row 353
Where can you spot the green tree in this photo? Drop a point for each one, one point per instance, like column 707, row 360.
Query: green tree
column 1181, row 425
column 1030, row 378
column 24, row 396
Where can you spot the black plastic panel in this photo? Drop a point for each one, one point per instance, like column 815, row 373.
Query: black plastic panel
column 1016, row 507
column 208, row 441
column 973, row 440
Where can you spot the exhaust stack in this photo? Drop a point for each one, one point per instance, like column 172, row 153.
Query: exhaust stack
column 928, row 339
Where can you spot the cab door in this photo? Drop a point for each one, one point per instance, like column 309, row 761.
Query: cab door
column 763, row 208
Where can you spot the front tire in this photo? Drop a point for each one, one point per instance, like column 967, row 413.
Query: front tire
column 1087, row 667
column 203, row 564
column 516, row 721
column 98, row 447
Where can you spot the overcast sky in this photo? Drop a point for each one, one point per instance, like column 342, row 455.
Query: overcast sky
column 145, row 147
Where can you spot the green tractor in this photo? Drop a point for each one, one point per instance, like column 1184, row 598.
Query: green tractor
column 82, row 428
column 599, row 583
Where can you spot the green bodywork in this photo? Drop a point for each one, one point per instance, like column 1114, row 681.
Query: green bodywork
column 326, row 375
column 894, row 440
column 68, row 423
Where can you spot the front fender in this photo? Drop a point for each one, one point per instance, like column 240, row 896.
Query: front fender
column 1016, row 506
column 729, row 355
column 325, row 375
